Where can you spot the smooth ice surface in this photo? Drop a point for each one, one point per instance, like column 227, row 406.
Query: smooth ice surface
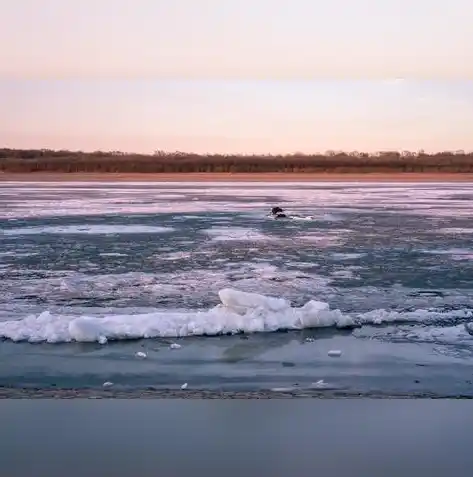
column 44, row 199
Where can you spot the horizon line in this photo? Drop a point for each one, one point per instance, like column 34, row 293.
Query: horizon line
column 328, row 152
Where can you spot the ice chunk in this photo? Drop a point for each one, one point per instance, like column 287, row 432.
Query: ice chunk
column 334, row 353
column 238, row 312
column 241, row 302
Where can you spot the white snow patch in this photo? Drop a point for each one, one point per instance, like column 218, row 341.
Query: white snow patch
column 347, row 256
column 445, row 334
column 175, row 256
column 303, row 264
column 307, row 218
column 455, row 253
column 87, row 229
column 457, row 334
column 347, row 274
column 318, row 218
column 380, row 317
column 326, row 238
column 18, row 254
column 223, row 234
column 456, row 231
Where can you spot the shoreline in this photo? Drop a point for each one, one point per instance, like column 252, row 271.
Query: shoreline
column 237, row 177
column 151, row 393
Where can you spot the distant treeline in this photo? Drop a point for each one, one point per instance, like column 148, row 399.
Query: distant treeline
column 43, row 160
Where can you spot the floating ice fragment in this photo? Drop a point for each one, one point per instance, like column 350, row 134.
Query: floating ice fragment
column 334, row 353
column 140, row 354
column 175, row 346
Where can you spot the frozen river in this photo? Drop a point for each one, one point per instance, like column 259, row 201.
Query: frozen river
column 139, row 285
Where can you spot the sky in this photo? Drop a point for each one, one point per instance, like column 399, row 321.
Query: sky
column 236, row 76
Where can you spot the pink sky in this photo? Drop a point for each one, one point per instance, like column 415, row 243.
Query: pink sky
column 236, row 75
